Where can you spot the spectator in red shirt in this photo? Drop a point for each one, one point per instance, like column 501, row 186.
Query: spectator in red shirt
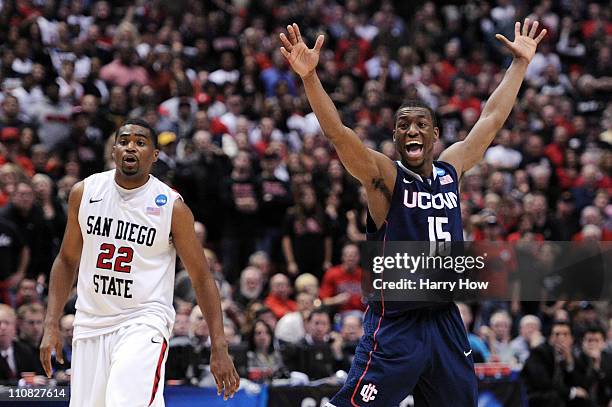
column 555, row 151
column 278, row 299
column 341, row 285
column 463, row 97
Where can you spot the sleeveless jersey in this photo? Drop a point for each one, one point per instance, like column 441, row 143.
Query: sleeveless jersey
column 126, row 272
column 421, row 210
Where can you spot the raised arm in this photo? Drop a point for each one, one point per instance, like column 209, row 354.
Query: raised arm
column 467, row 153
column 374, row 170
column 207, row 295
column 63, row 273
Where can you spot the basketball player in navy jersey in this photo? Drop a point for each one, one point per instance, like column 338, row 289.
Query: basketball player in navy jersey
column 421, row 350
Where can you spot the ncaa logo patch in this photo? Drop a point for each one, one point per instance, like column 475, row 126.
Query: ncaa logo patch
column 440, row 171
column 161, row 200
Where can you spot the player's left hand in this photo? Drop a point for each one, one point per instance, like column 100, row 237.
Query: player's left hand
column 525, row 41
column 51, row 341
column 224, row 372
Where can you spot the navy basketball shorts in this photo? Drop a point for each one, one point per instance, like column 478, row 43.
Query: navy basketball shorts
column 423, row 352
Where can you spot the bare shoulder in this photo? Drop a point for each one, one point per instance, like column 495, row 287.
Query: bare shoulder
column 384, row 163
column 181, row 215
column 75, row 196
column 454, row 156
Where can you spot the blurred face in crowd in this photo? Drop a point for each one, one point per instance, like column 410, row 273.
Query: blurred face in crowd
column 305, row 302
column 181, row 325
column 269, row 318
column 267, row 127
column 529, row 326
column 38, row 72
column 27, row 291
column 601, row 200
column 10, row 106
column 350, row 257
column 593, row 343
column 336, row 171
column 279, row 286
column 201, row 121
column 309, row 199
column 262, row 337
column 200, row 231
column 319, row 327
column 52, row 92
column 31, row 327
column 561, row 336
column 251, row 283
column 234, row 104
column 23, row 198
column 198, row 325
column 414, row 136
column 351, row 328
column 590, row 216
column 227, row 61
column 118, row 98
column 89, row 103
column 67, row 328
column 321, row 157
column 231, row 336
column 134, row 151
column 500, row 323
column 534, row 146
column 8, row 328
column 42, row 186
column 269, row 163
column 242, row 163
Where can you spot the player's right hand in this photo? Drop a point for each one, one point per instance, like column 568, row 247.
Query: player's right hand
column 303, row 60
column 51, row 341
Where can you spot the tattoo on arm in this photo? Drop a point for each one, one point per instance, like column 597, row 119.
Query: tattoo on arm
column 379, row 184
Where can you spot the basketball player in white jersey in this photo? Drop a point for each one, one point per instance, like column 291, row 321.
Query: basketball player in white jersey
column 124, row 230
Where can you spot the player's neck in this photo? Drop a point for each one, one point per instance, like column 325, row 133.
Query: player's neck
column 130, row 182
column 424, row 170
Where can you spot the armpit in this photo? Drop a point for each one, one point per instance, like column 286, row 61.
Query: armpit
column 379, row 184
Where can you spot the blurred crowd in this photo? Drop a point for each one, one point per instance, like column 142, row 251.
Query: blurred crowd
column 280, row 219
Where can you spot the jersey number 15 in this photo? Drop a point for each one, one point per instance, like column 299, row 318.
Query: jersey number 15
column 440, row 239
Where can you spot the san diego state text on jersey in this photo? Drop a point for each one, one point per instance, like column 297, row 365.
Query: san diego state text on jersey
column 132, row 232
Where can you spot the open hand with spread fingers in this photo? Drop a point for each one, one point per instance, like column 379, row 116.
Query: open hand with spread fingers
column 525, row 41
column 303, row 60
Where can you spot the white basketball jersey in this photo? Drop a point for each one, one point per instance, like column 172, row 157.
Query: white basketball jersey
column 126, row 273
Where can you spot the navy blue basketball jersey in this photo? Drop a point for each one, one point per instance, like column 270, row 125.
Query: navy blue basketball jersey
column 424, row 210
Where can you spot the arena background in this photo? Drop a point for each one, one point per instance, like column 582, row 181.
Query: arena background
column 239, row 141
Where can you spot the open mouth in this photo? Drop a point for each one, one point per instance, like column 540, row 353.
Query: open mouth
column 130, row 160
column 414, row 149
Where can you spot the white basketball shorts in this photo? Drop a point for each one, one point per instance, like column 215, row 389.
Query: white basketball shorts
column 124, row 368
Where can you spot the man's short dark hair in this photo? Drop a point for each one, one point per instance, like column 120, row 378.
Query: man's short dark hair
column 561, row 322
column 141, row 123
column 418, row 103
column 595, row 329
column 318, row 311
